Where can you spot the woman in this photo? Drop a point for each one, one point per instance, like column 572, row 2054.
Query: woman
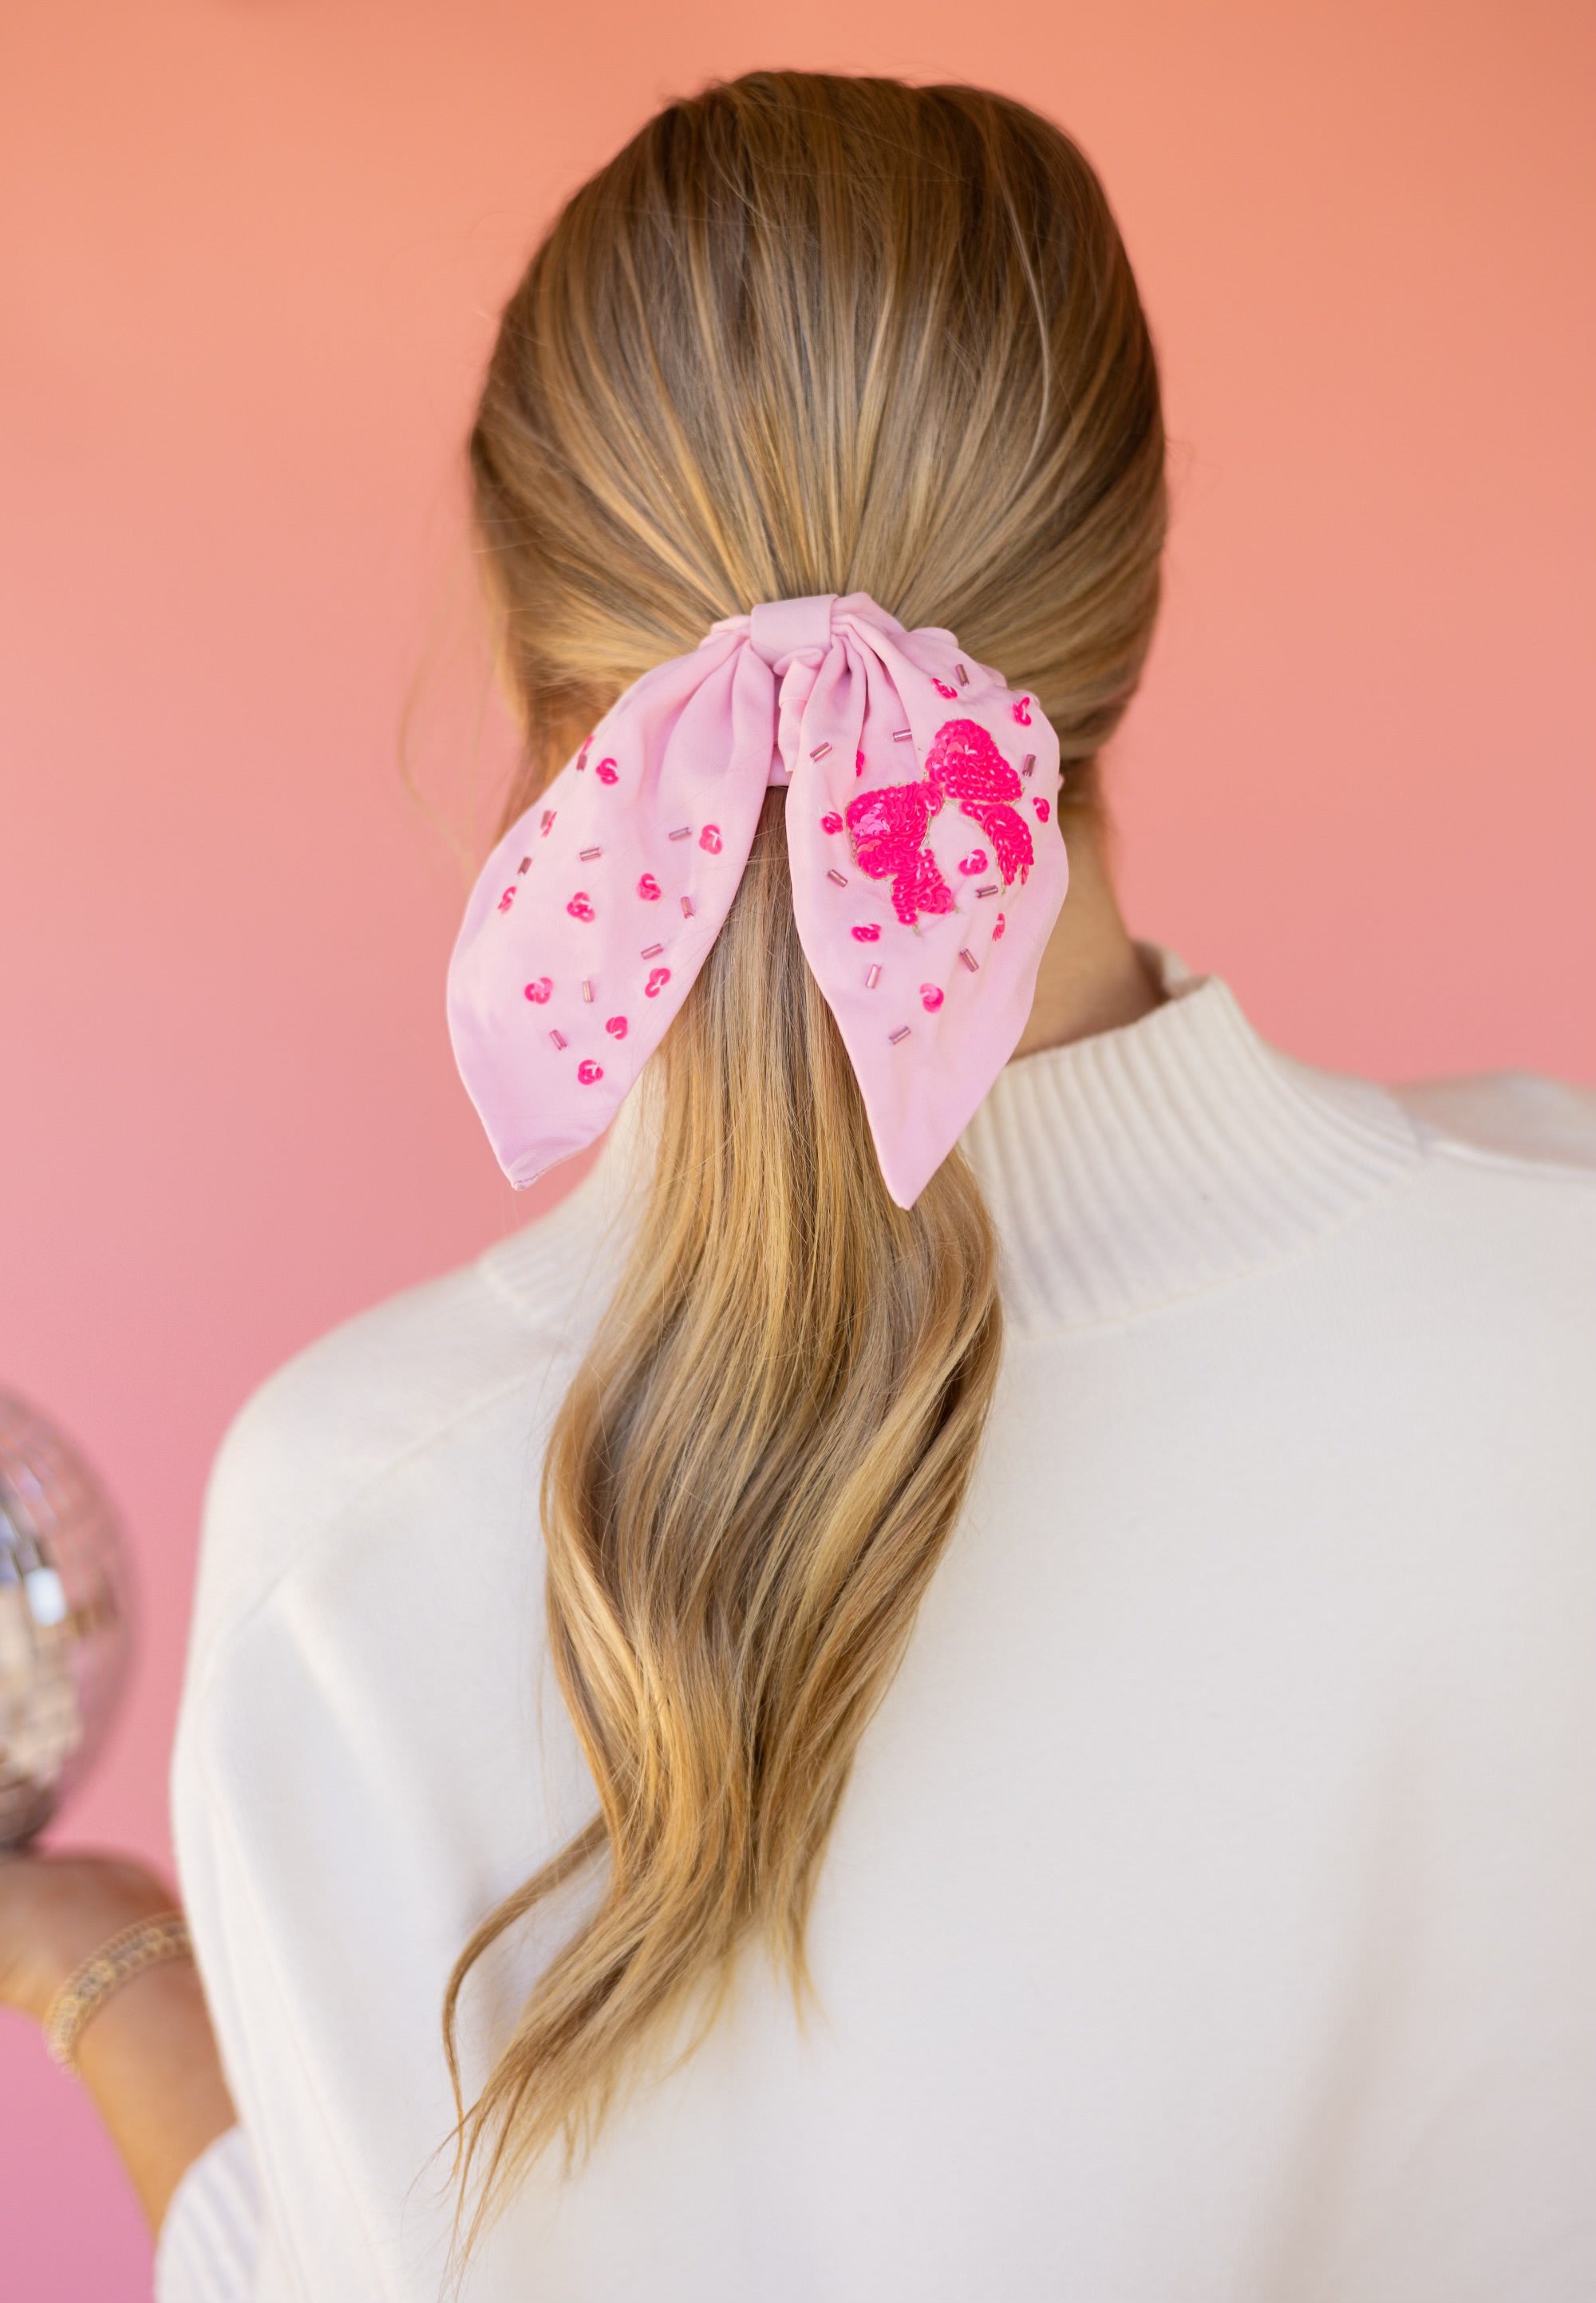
column 1044, row 1746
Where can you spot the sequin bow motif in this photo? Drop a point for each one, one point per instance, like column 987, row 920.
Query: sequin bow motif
column 926, row 867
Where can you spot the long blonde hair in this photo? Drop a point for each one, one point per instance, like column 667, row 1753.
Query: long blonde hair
column 803, row 335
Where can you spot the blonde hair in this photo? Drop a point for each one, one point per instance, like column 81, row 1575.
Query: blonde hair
column 803, row 334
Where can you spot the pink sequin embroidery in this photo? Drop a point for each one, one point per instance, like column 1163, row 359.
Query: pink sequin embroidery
column 943, row 688
column 832, row 822
column 506, row 900
column 539, row 991
column 587, row 1071
column 868, row 934
column 931, row 997
column 710, row 838
column 607, row 773
column 975, row 861
column 580, row 906
column 649, row 888
column 887, row 827
column 658, row 977
column 615, row 1025
column 1021, row 711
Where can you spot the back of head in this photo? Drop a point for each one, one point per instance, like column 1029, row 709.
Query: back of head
column 803, row 335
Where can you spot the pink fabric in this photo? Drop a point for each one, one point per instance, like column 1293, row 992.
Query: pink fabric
column 927, row 871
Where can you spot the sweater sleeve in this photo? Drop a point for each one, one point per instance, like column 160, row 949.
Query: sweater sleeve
column 210, row 2237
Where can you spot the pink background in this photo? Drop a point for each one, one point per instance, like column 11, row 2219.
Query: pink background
column 250, row 255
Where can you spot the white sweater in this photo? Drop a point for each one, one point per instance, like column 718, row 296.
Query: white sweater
column 1211, row 1915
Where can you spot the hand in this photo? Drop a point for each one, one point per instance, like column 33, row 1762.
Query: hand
column 56, row 1910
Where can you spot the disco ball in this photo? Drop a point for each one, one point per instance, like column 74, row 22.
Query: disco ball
column 64, row 1620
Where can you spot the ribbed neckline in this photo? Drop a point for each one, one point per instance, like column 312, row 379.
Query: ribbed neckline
column 1123, row 1172
column 1142, row 1165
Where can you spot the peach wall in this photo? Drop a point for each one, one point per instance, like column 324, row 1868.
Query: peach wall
column 250, row 250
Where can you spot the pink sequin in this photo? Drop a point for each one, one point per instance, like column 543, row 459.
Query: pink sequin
column 889, row 826
column 1021, row 711
column 580, row 906
column 540, row 991
column 587, row 1071
column 1040, row 807
column 868, row 934
column 943, row 688
column 607, row 773
column 658, row 977
column 970, row 769
column 975, row 861
column 710, row 838
column 832, row 823
column 859, row 763
column 998, row 927
column 887, row 829
column 582, row 755
column 506, row 900
column 931, row 997
column 649, row 888
column 615, row 1025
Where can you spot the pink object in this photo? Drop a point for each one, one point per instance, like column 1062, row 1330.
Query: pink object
column 1021, row 711
column 607, row 773
column 789, row 694
column 540, row 991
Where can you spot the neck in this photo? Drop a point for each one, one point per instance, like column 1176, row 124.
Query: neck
column 1092, row 977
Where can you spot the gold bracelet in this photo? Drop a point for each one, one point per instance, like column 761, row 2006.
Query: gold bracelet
column 144, row 1944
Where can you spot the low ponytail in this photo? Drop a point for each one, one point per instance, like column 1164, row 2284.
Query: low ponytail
column 803, row 335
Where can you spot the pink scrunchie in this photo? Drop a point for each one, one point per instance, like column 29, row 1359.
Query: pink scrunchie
column 926, row 877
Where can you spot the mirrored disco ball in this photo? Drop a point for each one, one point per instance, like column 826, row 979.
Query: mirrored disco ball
column 64, row 1623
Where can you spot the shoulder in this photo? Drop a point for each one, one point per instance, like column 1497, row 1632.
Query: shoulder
column 1543, row 1128
column 383, row 1394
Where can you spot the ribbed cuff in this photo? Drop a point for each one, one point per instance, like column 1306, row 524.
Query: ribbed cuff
column 210, row 2239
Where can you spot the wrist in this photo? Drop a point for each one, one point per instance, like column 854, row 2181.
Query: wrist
column 56, row 1912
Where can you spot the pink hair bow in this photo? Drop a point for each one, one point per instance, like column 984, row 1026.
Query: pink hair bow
column 926, row 876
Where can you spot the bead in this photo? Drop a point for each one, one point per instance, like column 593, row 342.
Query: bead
column 587, row 854
column 682, row 832
column 969, row 959
column 686, row 908
column 839, row 877
column 903, row 736
column 587, row 992
column 820, row 751
column 874, row 978
column 558, row 1038
column 900, row 1033
column 651, row 950
column 962, row 675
